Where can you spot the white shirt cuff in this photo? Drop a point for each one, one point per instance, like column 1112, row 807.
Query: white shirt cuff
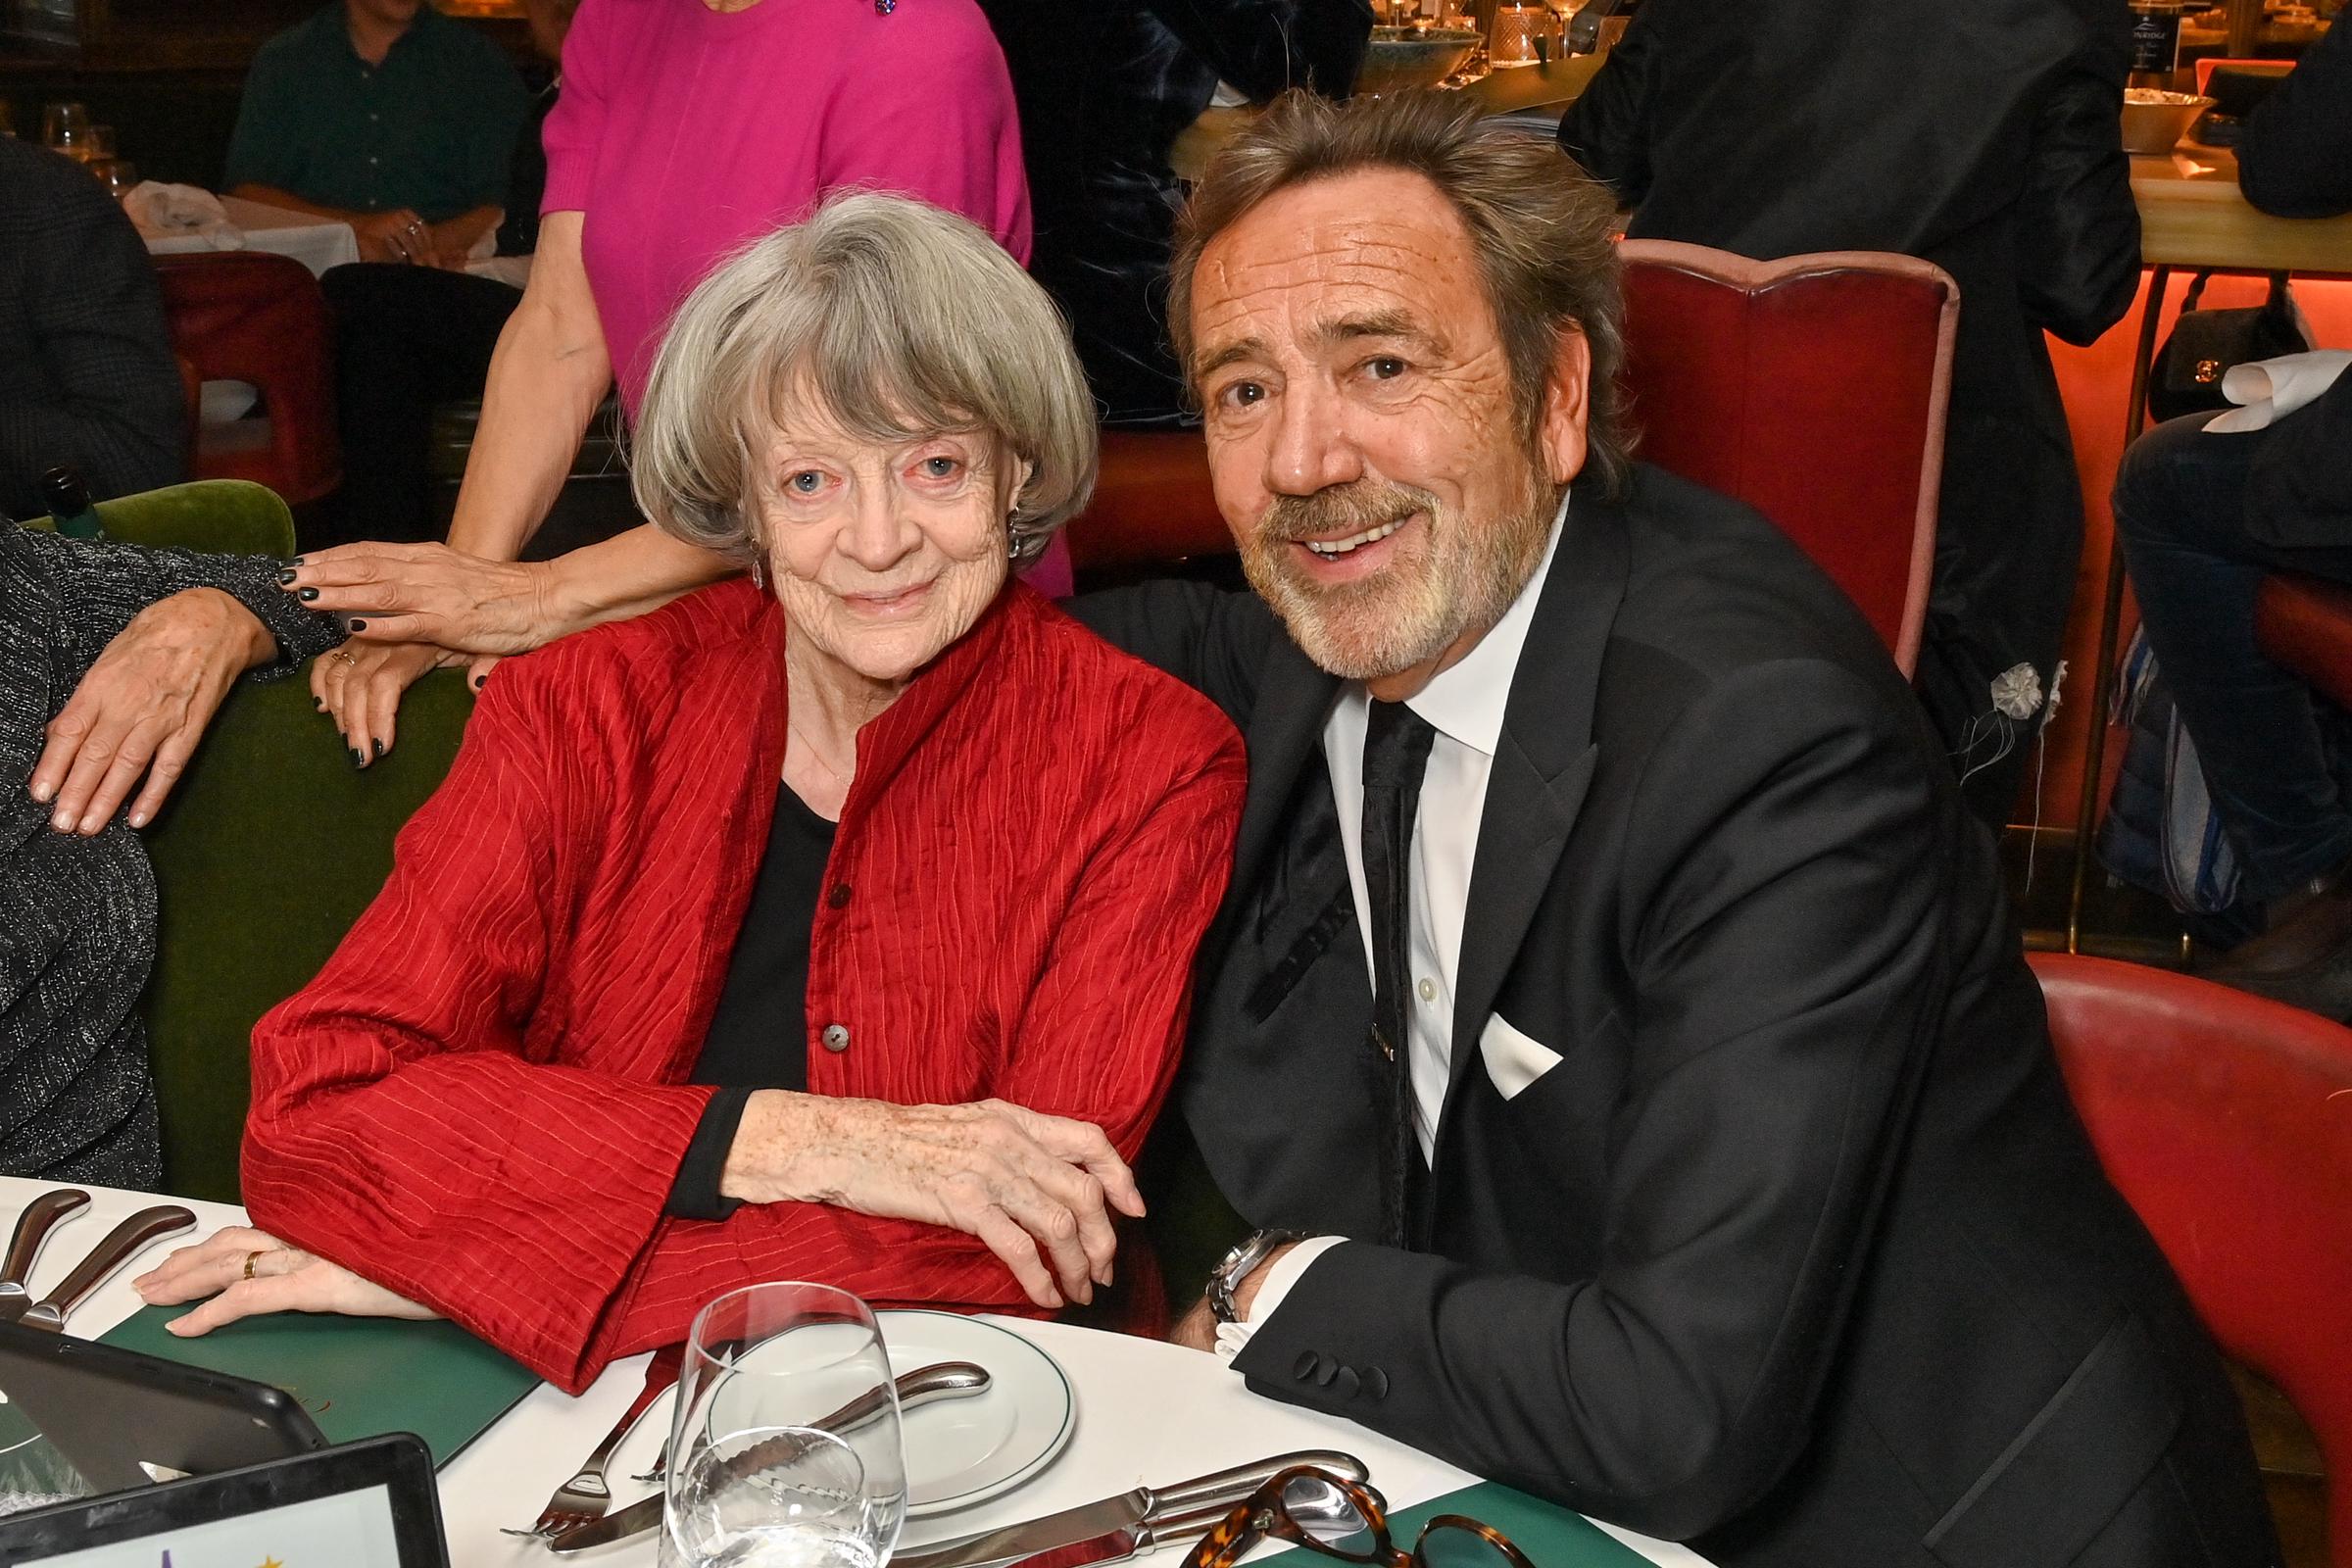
column 1281, row 1274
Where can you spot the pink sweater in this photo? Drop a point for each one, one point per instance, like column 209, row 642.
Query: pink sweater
column 680, row 133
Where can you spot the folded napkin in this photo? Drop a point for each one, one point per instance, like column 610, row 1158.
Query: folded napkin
column 2269, row 390
column 161, row 212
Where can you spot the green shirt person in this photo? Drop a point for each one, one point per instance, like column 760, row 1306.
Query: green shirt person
column 389, row 116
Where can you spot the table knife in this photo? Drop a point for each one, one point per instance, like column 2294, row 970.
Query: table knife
column 1127, row 1522
column 41, row 1217
column 123, row 1244
column 942, row 1380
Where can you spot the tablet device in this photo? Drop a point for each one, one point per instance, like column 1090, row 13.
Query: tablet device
column 124, row 1419
column 368, row 1504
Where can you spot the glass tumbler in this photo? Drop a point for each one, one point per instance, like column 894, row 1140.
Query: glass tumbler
column 784, row 1448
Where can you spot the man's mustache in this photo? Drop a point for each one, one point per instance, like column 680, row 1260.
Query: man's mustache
column 1342, row 509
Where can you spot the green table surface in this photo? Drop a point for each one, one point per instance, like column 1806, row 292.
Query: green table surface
column 359, row 1377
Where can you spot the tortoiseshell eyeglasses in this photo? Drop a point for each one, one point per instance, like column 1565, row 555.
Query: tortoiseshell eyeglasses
column 1347, row 1520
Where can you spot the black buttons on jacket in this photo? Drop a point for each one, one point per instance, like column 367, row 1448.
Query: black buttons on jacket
column 839, row 897
column 1345, row 1380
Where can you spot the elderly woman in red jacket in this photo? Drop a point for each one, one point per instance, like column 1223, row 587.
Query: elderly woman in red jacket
column 832, row 923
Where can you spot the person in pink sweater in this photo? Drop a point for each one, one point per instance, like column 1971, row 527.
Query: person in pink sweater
column 685, row 129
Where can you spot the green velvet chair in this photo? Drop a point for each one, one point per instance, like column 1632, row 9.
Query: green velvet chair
column 267, row 852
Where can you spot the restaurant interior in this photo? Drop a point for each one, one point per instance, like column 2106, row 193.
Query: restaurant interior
column 1841, row 389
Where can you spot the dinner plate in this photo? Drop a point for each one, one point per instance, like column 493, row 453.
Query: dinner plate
column 964, row 1451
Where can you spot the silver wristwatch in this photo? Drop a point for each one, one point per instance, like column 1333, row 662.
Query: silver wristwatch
column 1227, row 1276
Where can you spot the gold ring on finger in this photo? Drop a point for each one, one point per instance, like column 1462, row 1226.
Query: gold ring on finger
column 345, row 655
column 253, row 1258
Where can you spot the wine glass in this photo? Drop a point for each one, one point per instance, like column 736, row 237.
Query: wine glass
column 784, row 1447
column 119, row 174
column 67, row 129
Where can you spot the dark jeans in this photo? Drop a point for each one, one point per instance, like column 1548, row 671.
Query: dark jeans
column 2180, row 510
column 406, row 338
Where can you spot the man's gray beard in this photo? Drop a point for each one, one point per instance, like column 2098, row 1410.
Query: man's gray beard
column 1408, row 613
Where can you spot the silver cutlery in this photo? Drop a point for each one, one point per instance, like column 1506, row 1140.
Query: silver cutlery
column 1326, row 1506
column 1127, row 1522
column 942, row 1380
column 41, row 1217
column 123, row 1244
column 585, row 1497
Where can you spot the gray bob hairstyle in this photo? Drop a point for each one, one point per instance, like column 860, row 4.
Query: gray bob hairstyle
column 900, row 322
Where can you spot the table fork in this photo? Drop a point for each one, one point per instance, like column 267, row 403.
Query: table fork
column 586, row 1496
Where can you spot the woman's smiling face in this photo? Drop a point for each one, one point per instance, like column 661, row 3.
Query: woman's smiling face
column 883, row 553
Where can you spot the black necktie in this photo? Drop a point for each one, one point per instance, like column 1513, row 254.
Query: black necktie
column 1396, row 741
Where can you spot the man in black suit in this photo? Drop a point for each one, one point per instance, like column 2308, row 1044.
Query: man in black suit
column 1612, row 985
column 1985, row 137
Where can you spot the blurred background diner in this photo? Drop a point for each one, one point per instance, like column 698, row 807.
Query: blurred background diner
column 409, row 265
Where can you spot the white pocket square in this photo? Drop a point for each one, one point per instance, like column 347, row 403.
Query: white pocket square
column 1514, row 1060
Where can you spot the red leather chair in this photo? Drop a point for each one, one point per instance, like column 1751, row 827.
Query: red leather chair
column 1151, row 503
column 2305, row 625
column 1813, row 389
column 249, row 315
column 2227, row 1121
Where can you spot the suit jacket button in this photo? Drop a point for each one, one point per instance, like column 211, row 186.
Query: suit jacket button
column 839, row 898
column 1347, row 1383
column 836, row 1038
column 1325, row 1370
column 1376, row 1382
column 1306, row 1367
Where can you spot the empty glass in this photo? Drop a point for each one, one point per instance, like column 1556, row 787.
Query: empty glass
column 119, row 175
column 784, row 1448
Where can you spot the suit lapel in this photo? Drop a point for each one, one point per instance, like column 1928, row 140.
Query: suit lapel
column 1543, row 765
column 1285, row 725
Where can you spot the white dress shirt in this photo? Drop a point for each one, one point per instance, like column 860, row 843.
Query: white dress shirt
column 1464, row 703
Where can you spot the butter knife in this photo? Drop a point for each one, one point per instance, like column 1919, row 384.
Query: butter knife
column 123, row 1244
column 942, row 1380
column 41, row 1217
column 1126, row 1523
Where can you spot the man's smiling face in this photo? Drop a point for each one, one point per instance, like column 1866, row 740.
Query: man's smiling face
column 1361, row 429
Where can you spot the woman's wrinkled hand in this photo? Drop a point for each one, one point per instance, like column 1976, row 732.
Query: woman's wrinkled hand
column 142, row 707
column 246, row 1272
column 360, row 687
column 1037, row 1190
column 390, row 592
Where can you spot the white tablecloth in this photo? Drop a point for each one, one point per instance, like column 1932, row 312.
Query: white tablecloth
column 317, row 243
column 1147, row 1413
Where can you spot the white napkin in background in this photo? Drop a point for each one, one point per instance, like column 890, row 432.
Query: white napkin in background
column 2270, row 390
column 161, row 211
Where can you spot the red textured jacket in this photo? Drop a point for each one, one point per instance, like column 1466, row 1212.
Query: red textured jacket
column 480, row 1103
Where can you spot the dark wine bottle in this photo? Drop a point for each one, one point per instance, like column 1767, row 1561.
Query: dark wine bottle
column 2155, row 43
column 69, row 497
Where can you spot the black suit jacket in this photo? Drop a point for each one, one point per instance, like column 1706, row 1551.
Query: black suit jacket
column 1758, row 1214
column 1983, row 136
